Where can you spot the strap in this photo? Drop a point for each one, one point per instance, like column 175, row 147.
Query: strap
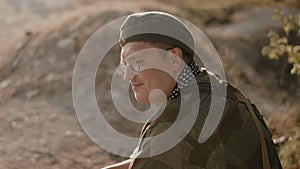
column 265, row 158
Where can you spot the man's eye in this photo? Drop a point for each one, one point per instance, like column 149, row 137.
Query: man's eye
column 139, row 62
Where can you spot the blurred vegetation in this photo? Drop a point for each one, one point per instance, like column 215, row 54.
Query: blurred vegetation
column 290, row 151
column 286, row 44
column 219, row 11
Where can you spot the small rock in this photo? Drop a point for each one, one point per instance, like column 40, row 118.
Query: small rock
column 42, row 141
column 54, row 35
column 28, row 33
column 32, row 93
column 9, row 20
column 53, row 117
column 14, row 63
column 66, row 44
column 18, row 158
column 4, row 84
column 26, row 119
column 32, row 160
column 68, row 132
column 51, row 60
column 14, row 124
column 78, row 134
column 89, row 151
column 19, row 45
column 36, row 63
column 281, row 139
column 77, row 24
column 88, row 161
column 50, row 77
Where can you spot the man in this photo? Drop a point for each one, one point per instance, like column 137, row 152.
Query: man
column 157, row 60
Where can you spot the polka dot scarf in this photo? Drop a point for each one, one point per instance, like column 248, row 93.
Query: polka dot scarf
column 188, row 73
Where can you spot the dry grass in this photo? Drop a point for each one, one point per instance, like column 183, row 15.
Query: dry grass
column 208, row 11
column 289, row 152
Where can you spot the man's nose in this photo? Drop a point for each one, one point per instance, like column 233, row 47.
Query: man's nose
column 129, row 74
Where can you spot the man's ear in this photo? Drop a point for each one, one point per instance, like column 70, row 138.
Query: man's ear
column 177, row 51
column 176, row 58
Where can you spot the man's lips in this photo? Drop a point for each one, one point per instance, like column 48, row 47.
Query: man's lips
column 135, row 85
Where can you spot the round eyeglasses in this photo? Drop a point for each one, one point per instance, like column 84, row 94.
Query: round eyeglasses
column 136, row 63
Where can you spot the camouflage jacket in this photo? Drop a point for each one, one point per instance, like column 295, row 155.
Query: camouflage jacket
column 235, row 143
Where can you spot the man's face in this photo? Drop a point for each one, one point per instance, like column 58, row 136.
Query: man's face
column 149, row 79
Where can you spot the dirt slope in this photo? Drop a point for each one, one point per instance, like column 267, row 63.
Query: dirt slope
column 38, row 127
column 41, row 42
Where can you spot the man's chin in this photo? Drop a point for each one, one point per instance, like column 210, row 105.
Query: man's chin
column 157, row 96
column 141, row 99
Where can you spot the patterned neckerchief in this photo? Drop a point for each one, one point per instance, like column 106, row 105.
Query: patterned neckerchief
column 190, row 71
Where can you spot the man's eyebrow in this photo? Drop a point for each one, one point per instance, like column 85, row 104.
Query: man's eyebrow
column 122, row 60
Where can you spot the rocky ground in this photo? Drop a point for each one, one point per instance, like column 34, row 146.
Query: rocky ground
column 40, row 42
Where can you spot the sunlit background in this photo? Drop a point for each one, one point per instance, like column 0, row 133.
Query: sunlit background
column 41, row 39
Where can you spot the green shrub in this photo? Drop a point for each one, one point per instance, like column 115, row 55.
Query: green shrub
column 285, row 42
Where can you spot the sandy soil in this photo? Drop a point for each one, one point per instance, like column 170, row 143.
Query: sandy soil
column 40, row 41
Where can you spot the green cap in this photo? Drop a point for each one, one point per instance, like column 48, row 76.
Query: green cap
column 156, row 27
